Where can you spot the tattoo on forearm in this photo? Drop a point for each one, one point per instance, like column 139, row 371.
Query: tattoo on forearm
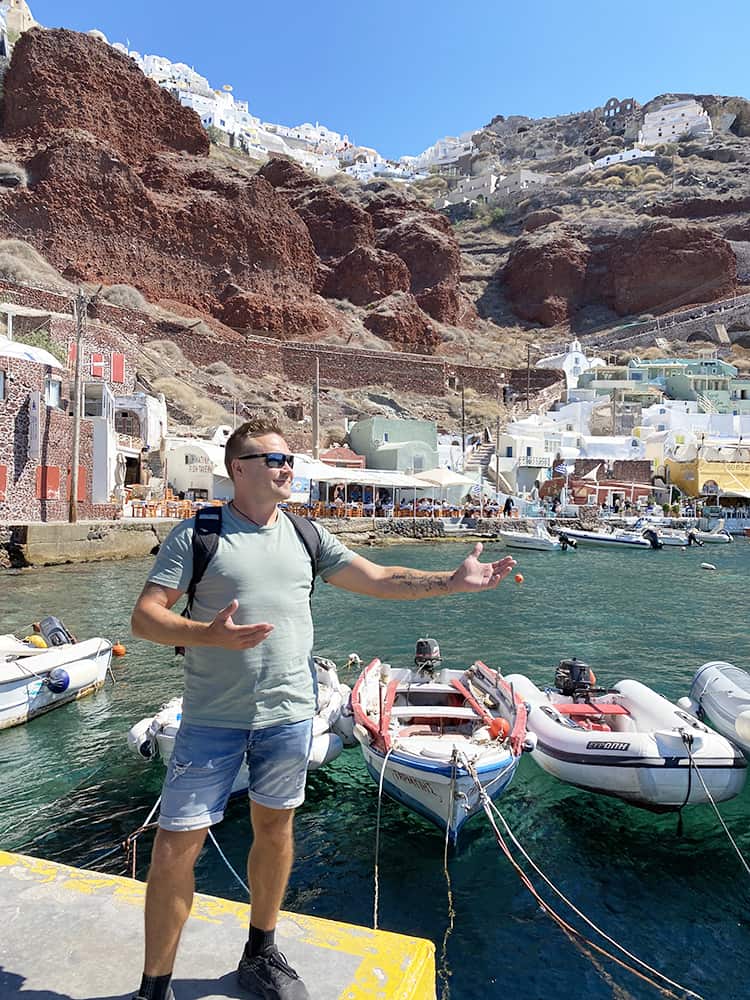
column 417, row 581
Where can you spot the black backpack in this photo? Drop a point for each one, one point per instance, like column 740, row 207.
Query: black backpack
column 206, row 541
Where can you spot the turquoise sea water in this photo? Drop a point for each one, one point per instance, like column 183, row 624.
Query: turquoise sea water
column 70, row 790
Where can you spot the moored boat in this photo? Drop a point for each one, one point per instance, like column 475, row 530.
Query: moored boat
column 720, row 694
column 154, row 736
column 627, row 741
column 621, row 538
column 716, row 536
column 430, row 734
column 538, row 539
column 36, row 680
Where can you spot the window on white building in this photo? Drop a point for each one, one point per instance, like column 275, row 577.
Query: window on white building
column 52, row 391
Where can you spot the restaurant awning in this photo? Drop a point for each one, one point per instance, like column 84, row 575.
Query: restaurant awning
column 443, row 477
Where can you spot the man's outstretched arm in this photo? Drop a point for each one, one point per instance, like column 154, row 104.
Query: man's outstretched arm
column 400, row 583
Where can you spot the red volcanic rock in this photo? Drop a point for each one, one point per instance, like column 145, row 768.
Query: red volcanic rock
column 336, row 225
column 447, row 303
column 365, row 275
column 400, row 320
column 282, row 314
column 660, row 265
column 666, row 266
column 431, row 255
column 60, row 79
column 91, row 213
column 286, row 174
column 544, row 217
column 545, row 276
column 701, row 208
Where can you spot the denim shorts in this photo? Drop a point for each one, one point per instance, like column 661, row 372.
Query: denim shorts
column 206, row 760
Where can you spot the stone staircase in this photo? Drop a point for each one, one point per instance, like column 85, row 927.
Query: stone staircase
column 478, row 461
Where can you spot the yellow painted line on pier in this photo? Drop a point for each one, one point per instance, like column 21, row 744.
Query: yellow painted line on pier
column 390, row 967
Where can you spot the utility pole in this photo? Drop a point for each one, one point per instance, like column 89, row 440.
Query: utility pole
column 316, row 409
column 497, row 441
column 528, row 375
column 80, row 305
column 463, row 429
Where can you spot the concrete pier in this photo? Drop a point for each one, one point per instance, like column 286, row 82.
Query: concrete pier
column 72, row 934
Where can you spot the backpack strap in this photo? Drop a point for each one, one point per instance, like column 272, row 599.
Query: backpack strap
column 308, row 535
column 205, row 542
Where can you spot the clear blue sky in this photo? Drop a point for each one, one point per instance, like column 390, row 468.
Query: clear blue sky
column 399, row 75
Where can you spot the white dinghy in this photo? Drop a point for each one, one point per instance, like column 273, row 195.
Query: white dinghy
column 333, row 725
column 539, row 539
column 717, row 536
column 34, row 681
column 433, row 733
column 720, row 694
column 622, row 538
column 627, row 742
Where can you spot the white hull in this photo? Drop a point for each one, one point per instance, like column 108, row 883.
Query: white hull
column 721, row 693
column 713, row 537
column 332, row 727
column 411, row 725
column 603, row 539
column 638, row 755
column 24, row 681
column 525, row 540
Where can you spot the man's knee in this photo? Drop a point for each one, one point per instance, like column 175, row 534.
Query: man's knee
column 176, row 852
column 272, row 825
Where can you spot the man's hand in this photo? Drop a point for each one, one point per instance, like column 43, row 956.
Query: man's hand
column 224, row 633
column 473, row 575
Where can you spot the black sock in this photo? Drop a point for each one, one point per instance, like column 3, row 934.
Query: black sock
column 155, row 987
column 258, row 941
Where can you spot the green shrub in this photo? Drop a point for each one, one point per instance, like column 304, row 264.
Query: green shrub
column 41, row 338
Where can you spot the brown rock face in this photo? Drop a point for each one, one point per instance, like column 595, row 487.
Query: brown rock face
column 431, row 255
column 544, row 217
column 400, row 320
column 551, row 274
column 365, row 275
column 285, row 315
column 59, row 79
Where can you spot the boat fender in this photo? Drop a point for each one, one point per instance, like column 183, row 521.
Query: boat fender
column 58, row 680
column 529, row 743
column 325, row 748
column 742, row 726
column 499, row 729
column 707, row 566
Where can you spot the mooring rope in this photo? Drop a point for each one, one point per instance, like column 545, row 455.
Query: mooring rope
column 226, row 861
column 376, row 888
column 444, row 973
column 715, row 808
column 571, row 931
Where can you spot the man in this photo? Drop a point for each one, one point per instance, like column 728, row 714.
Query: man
column 249, row 694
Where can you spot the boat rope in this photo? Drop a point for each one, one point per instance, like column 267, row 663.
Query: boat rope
column 376, row 888
column 686, row 739
column 226, row 861
column 732, row 841
column 131, row 841
column 444, row 973
column 576, row 935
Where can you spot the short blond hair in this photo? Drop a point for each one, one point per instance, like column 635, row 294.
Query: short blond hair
column 238, row 440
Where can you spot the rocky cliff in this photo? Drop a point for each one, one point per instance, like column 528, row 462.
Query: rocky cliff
column 121, row 189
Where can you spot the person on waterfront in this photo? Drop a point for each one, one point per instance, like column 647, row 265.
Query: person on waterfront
column 508, row 507
column 249, row 693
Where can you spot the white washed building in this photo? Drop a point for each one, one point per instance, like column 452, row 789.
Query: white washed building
column 441, row 153
column 470, row 189
column 626, row 156
column 516, row 183
column 681, row 118
column 573, row 362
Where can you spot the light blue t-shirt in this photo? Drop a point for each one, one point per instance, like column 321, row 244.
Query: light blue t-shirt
column 268, row 570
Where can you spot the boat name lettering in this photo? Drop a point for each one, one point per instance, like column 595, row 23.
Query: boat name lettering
column 425, row 786
column 597, row 745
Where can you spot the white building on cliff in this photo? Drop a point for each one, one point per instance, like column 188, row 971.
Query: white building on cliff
column 672, row 121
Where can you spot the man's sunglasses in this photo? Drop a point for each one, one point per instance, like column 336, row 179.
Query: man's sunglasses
column 274, row 459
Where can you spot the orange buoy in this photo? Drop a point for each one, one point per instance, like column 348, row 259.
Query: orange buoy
column 518, row 577
column 118, row 649
column 499, row 729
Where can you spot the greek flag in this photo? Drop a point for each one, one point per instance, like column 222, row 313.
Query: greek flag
column 476, row 490
column 561, row 470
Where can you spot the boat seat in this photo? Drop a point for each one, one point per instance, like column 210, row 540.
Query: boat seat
column 433, row 712
column 583, row 709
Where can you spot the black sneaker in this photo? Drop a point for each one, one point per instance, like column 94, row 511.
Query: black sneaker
column 268, row 976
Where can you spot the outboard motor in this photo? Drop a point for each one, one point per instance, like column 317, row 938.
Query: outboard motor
column 54, row 632
column 566, row 542
column 427, row 655
column 692, row 538
column 573, row 677
column 653, row 539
